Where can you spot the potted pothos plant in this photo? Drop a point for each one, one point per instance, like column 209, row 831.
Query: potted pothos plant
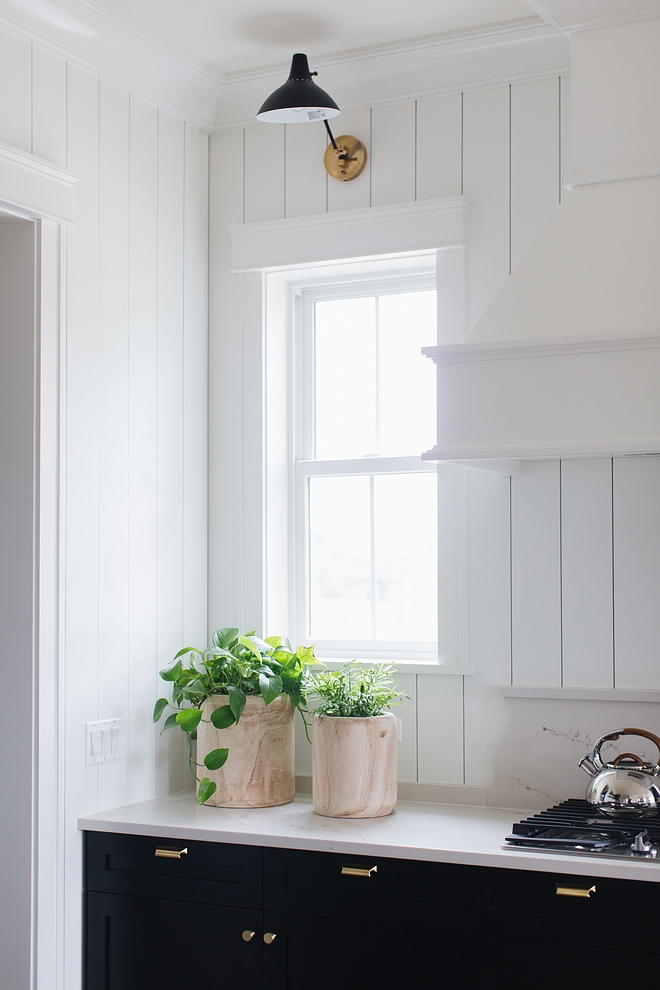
column 239, row 695
column 354, row 771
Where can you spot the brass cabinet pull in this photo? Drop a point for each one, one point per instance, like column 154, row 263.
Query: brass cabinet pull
column 166, row 852
column 357, row 871
column 248, row 935
column 269, row 938
column 565, row 890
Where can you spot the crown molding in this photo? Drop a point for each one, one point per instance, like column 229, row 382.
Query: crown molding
column 105, row 46
column 424, row 67
column 589, row 21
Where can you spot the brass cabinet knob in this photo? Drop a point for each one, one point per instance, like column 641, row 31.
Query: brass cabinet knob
column 247, row 935
column 269, row 938
column 167, row 852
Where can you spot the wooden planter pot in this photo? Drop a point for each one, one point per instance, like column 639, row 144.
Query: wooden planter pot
column 260, row 770
column 354, row 766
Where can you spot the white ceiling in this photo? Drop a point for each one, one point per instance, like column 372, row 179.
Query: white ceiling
column 232, row 35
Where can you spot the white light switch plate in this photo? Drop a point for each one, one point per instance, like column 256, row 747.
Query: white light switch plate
column 102, row 741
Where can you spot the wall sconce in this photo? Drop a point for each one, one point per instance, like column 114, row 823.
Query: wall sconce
column 301, row 101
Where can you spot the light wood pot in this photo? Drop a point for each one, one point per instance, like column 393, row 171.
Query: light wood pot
column 354, row 766
column 260, row 770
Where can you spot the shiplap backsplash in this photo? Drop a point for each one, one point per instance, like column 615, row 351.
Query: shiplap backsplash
column 134, row 421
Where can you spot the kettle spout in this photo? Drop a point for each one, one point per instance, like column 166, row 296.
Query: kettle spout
column 588, row 765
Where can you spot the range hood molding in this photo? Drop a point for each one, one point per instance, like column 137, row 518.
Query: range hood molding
column 566, row 359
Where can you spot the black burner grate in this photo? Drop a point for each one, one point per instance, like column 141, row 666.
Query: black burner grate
column 580, row 814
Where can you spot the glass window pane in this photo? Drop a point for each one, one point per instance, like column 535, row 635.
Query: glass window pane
column 340, row 591
column 407, row 322
column 345, row 386
column 406, row 557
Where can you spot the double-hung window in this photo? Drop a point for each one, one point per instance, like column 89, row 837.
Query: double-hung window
column 365, row 503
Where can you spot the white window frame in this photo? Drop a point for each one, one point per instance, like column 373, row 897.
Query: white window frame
column 306, row 466
column 251, row 524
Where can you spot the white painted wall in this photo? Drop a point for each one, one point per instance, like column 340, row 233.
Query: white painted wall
column 18, row 583
column 133, row 429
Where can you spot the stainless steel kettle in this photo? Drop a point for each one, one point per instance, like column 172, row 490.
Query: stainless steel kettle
column 626, row 785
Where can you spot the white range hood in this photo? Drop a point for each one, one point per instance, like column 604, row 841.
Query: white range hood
column 566, row 359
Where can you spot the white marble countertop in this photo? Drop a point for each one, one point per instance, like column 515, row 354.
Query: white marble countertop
column 442, row 833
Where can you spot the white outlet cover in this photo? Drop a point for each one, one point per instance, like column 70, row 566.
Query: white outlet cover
column 102, row 741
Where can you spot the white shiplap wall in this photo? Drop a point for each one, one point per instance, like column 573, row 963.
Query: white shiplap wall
column 502, row 146
column 134, row 422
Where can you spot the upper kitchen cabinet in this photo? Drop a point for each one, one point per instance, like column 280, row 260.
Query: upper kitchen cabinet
column 566, row 359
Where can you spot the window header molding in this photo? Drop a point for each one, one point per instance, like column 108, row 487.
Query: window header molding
column 429, row 225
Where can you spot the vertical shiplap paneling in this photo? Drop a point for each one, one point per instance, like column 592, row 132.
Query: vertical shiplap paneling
column 264, row 172
column 534, row 160
column 81, row 508
column 586, row 533
column 143, row 684
column 303, row 748
column 451, row 562
column 393, row 174
column 225, row 207
column 407, row 715
column 440, row 729
column 356, row 194
column 489, row 620
column 16, row 89
column 439, row 146
column 113, row 429
column 535, row 574
column 637, row 571
column 306, row 180
column 195, row 387
column 486, row 184
column 170, row 422
column 48, row 106
column 566, row 135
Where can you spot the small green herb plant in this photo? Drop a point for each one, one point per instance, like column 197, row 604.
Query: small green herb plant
column 237, row 666
column 355, row 691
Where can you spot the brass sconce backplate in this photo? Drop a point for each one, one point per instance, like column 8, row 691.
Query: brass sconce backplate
column 349, row 167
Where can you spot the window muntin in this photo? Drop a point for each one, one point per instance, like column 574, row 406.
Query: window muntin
column 366, row 503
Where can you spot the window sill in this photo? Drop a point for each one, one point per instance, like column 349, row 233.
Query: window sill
column 409, row 667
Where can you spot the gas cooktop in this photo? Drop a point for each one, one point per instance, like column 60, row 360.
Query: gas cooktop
column 576, row 827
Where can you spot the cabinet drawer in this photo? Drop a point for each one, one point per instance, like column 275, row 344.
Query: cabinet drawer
column 524, row 904
column 209, row 872
column 397, row 891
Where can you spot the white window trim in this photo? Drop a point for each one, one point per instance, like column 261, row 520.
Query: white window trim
column 248, row 570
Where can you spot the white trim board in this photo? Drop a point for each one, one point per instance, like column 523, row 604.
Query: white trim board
column 34, row 187
column 372, row 232
column 580, row 694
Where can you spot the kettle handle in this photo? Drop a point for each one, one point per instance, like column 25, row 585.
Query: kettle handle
column 626, row 732
column 627, row 756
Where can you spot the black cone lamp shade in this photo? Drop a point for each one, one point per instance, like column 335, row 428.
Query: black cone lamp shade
column 299, row 100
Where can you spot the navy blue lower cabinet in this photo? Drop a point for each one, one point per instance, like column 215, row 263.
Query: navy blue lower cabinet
column 144, row 943
column 327, row 954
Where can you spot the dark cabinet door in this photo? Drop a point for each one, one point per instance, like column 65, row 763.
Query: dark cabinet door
column 326, row 954
column 495, row 963
column 144, row 943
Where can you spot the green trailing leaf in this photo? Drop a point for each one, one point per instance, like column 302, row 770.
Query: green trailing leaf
column 206, row 790
column 246, row 641
column 236, row 700
column 159, row 708
column 216, row 759
column 270, row 687
column 189, row 719
column 170, row 722
column 274, row 641
column 224, row 638
column 223, row 717
column 172, row 673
